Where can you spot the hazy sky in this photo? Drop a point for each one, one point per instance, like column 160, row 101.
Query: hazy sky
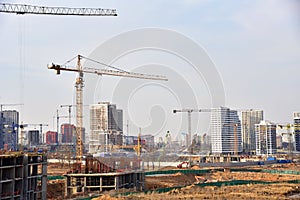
column 255, row 46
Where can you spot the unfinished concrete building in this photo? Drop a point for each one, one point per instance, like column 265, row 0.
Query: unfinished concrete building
column 98, row 177
column 23, row 176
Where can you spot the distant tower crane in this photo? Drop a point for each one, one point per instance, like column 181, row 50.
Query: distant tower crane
column 41, row 136
column 59, row 136
column 189, row 111
column 79, row 93
column 69, row 109
column 7, row 104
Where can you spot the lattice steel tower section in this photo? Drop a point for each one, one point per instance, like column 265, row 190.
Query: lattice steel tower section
column 22, row 9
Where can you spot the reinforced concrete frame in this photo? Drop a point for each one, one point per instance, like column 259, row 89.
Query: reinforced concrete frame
column 23, row 176
column 98, row 182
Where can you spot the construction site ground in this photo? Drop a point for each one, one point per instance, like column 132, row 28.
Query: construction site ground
column 190, row 189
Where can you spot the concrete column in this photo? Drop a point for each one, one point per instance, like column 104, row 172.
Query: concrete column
column 100, row 184
column 124, row 180
column 44, row 180
column 84, row 184
column 67, row 180
column 135, row 180
column 25, row 178
column 116, row 182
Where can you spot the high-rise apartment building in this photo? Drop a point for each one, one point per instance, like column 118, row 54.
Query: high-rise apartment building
column 265, row 133
column 68, row 132
column 106, row 126
column 9, row 129
column 296, row 116
column 51, row 137
column 249, row 119
column 120, row 120
column 1, row 130
column 225, row 131
column 33, row 137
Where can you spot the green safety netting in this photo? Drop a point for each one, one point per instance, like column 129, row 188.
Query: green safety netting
column 55, row 177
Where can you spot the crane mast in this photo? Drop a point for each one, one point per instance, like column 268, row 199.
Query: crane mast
column 69, row 110
column 189, row 112
column 21, row 9
column 79, row 95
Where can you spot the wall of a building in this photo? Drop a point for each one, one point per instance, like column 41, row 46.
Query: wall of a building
column 222, row 130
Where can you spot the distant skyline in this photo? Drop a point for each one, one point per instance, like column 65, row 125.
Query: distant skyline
column 255, row 46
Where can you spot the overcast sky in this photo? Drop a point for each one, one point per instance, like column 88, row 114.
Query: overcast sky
column 254, row 45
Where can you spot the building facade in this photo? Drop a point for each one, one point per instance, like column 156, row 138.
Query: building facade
column 68, row 132
column 296, row 116
column 249, row 119
column 225, row 131
column 120, row 120
column 9, row 129
column 265, row 133
column 51, row 137
column 1, row 130
column 33, row 137
column 106, row 127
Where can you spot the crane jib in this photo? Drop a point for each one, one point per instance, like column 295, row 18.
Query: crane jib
column 21, row 9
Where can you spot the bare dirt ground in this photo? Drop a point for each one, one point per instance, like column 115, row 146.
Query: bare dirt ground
column 57, row 169
column 245, row 192
column 55, row 188
column 191, row 191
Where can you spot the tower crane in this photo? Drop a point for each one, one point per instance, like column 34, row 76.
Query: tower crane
column 22, row 126
column 79, row 93
column 21, row 9
column 189, row 112
column 69, row 110
column 59, row 137
column 14, row 104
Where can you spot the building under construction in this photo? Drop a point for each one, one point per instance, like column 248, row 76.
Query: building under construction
column 101, row 174
column 23, row 175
